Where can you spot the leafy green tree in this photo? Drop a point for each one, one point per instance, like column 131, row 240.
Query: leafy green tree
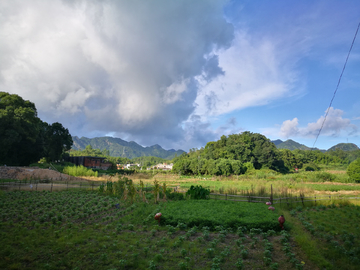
column 289, row 158
column 24, row 138
column 353, row 170
column 20, row 142
column 57, row 140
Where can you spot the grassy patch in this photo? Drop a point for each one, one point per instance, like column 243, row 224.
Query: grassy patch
column 212, row 213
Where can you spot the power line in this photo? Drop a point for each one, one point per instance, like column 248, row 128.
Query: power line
column 327, row 111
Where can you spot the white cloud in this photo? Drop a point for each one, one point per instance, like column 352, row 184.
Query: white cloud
column 111, row 66
column 289, row 128
column 255, row 74
column 334, row 125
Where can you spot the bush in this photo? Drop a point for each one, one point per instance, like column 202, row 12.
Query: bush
column 311, row 167
column 198, row 193
column 353, row 170
column 324, row 176
column 174, row 196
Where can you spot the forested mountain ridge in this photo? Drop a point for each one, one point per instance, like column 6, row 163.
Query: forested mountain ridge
column 292, row 145
column 344, row 147
column 120, row 148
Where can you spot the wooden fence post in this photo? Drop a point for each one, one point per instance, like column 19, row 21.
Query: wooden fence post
column 36, row 185
column 51, row 185
column 19, row 184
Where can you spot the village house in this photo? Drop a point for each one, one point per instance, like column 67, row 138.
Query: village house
column 162, row 166
column 126, row 166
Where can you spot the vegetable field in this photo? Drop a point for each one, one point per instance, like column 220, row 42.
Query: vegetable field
column 212, row 213
column 337, row 230
column 88, row 230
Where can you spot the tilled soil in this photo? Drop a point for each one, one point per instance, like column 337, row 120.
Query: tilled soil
column 35, row 173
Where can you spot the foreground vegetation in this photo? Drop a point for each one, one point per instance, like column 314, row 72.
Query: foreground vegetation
column 92, row 230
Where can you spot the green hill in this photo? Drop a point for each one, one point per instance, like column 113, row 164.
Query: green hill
column 292, row 145
column 344, row 147
column 120, row 148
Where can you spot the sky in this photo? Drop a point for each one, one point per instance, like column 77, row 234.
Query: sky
column 183, row 73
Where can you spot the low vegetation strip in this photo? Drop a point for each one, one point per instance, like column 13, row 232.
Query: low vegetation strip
column 212, row 213
column 336, row 230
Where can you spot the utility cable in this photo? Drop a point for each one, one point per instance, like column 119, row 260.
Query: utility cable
column 327, row 111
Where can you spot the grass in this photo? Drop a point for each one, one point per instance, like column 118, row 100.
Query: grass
column 79, row 171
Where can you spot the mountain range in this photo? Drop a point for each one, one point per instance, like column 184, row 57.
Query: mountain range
column 120, row 148
column 292, row 145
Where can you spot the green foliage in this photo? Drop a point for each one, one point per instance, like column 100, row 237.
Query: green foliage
column 58, row 140
column 228, row 155
column 20, row 132
column 212, row 213
column 24, row 138
column 79, row 171
column 337, row 228
column 198, row 193
column 353, row 170
column 90, row 151
column 174, row 196
column 311, row 167
column 325, row 177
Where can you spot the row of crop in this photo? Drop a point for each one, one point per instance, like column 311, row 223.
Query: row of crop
column 36, row 208
column 325, row 223
column 127, row 242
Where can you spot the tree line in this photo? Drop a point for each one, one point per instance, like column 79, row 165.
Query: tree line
column 24, row 138
column 144, row 161
column 239, row 153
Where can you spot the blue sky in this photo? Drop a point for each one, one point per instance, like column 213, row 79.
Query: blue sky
column 183, row 73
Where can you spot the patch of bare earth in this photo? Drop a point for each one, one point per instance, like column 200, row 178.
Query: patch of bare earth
column 34, row 173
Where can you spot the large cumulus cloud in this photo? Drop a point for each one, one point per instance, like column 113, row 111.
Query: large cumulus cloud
column 334, row 125
column 120, row 67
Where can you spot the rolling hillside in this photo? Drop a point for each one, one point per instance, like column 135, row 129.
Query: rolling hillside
column 292, row 145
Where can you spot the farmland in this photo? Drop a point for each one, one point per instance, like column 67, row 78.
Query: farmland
column 89, row 229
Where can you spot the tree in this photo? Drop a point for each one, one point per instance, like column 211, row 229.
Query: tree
column 353, row 170
column 24, row 138
column 57, row 140
column 20, row 142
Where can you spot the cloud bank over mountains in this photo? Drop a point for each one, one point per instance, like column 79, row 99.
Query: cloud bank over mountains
column 118, row 66
column 149, row 71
